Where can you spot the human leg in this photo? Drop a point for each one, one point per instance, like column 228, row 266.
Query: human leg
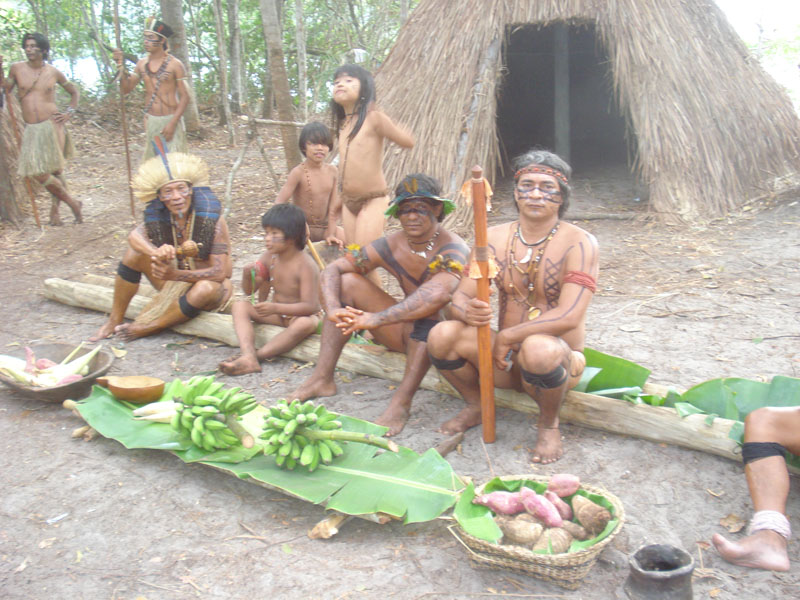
column 396, row 414
column 544, row 366
column 767, row 431
column 369, row 225
column 247, row 362
column 298, row 329
column 126, row 284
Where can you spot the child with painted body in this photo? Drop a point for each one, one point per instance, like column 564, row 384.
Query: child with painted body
column 311, row 185
column 362, row 127
column 293, row 277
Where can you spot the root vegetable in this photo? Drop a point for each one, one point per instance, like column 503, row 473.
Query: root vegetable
column 501, row 503
column 522, row 529
column 542, row 508
column 564, row 509
column 575, row 530
column 44, row 363
column 592, row 516
column 564, row 484
column 556, row 540
column 80, row 431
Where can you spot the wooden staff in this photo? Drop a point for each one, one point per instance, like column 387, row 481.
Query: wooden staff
column 122, row 109
column 27, row 181
column 315, row 254
column 485, row 366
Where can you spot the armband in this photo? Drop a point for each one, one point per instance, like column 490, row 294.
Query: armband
column 357, row 257
column 440, row 263
column 582, row 279
column 261, row 271
column 475, row 269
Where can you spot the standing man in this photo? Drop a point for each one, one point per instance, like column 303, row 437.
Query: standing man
column 180, row 209
column 427, row 261
column 46, row 144
column 165, row 87
column 545, row 272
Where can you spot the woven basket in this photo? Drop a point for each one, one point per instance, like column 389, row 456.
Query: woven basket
column 566, row 570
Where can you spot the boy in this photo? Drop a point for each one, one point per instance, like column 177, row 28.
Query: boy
column 293, row 277
column 312, row 186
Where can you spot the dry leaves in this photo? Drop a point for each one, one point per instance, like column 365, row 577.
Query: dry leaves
column 733, row 523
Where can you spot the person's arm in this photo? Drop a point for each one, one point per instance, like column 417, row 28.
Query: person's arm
column 308, row 304
column 74, row 95
column 138, row 240
column 287, row 191
column 220, row 258
column 127, row 82
column 183, row 100
column 385, row 127
column 334, row 215
column 255, row 274
column 7, row 83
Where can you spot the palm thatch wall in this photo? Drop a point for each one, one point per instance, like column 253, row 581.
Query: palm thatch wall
column 710, row 128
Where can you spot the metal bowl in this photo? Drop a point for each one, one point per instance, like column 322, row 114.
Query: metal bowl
column 57, row 352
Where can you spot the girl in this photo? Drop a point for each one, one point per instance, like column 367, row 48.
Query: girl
column 362, row 127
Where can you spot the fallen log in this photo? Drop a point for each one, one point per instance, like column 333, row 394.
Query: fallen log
column 657, row 424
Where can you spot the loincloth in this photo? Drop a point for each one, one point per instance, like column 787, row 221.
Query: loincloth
column 41, row 152
column 355, row 203
column 153, row 127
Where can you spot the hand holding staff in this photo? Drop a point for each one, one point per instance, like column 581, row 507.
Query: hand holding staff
column 485, row 366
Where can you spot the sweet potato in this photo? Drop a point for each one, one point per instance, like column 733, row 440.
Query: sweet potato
column 592, row 516
column 522, row 529
column 575, row 530
column 501, row 503
column 564, row 509
column 542, row 508
column 564, row 484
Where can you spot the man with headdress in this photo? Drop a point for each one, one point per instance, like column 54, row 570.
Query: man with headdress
column 46, row 144
column 183, row 244
column 427, row 261
column 165, row 87
column 545, row 271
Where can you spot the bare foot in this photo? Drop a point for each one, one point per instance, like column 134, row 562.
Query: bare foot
column 314, row 389
column 241, row 366
column 132, row 331
column 548, row 446
column 468, row 417
column 56, row 221
column 765, row 549
column 106, row 331
column 394, row 417
column 78, row 213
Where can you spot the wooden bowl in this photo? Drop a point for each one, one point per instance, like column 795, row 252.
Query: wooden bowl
column 57, row 352
column 138, row 389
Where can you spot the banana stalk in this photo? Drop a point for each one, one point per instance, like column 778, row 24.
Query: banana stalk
column 348, row 436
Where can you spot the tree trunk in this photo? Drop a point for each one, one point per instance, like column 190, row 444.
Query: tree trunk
column 10, row 193
column 238, row 77
column 172, row 15
column 280, row 81
column 223, row 70
column 302, row 81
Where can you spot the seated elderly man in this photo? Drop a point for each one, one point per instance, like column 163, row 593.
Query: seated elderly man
column 768, row 434
column 545, row 272
column 183, row 245
column 427, row 261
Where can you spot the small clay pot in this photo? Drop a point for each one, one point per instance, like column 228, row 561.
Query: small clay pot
column 660, row 572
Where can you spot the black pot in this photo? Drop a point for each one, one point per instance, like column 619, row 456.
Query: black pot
column 660, row 572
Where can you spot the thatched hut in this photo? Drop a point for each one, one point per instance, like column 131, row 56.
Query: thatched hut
column 664, row 86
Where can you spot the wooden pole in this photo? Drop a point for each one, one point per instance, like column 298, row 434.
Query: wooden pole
column 485, row 367
column 118, row 36
column 28, row 185
column 315, row 254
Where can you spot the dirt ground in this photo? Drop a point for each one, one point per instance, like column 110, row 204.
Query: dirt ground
column 93, row 520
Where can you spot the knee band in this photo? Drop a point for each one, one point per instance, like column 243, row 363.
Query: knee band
column 754, row 450
column 548, row 381
column 128, row 274
column 187, row 309
column 447, row 365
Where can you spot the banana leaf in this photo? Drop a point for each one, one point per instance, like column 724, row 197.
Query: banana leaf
column 615, row 372
column 363, row 480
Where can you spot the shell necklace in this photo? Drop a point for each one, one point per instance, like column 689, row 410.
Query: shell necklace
column 428, row 245
column 532, row 270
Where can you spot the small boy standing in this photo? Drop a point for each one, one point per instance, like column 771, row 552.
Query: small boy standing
column 312, row 186
column 292, row 277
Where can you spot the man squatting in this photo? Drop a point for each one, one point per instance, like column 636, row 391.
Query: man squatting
column 546, row 273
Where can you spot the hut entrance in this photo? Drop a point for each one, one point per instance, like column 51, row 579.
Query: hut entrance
column 557, row 94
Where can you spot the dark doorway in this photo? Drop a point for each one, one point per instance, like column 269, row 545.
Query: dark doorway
column 526, row 103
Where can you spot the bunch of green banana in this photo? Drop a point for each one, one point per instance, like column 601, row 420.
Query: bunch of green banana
column 305, row 434
column 205, row 412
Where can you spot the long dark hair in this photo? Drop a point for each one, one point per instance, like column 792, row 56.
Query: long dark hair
column 40, row 41
column 365, row 98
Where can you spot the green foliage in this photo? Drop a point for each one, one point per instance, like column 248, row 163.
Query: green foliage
column 12, row 25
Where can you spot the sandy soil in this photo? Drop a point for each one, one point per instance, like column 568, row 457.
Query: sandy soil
column 93, row 520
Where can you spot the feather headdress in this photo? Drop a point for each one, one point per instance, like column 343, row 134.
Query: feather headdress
column 153, row 174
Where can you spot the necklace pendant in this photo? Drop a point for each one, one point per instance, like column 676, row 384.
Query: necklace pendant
column 421, row 253
column 533, row 312
column 527, row 256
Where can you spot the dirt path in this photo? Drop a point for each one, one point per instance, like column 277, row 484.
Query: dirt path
column 93, row 520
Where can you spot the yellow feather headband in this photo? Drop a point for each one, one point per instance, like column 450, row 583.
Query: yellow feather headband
column 152, row 174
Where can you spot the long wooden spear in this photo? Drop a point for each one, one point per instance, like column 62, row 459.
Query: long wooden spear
column 485, row 367
column 14, row 126
column 122, row 109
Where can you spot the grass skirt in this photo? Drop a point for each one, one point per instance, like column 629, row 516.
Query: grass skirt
column 154, row 125
column 41, row 151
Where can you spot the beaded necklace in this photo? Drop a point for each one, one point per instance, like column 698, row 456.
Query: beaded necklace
column 530, row 272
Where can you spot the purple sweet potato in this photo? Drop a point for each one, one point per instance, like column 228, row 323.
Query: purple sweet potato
column 44, row 363
column 564, row 509
column 564, row 484
column 541, row 508
column 501, row 503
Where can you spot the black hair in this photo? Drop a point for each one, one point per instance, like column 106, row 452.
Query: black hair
column 425, row 183
column 315, row 132
column 366, row 97
column 41, row 43
column 290, row 219
column 539, row 156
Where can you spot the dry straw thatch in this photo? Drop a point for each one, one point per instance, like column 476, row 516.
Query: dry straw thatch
column 711, row 129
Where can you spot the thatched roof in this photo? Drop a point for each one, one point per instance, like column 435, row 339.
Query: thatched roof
column 709, row 128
